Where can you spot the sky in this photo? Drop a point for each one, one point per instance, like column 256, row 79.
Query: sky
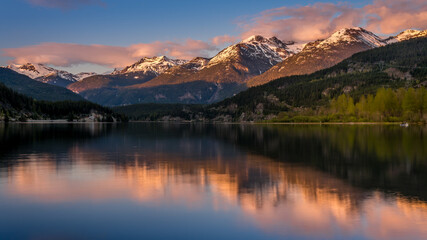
column 99, row 35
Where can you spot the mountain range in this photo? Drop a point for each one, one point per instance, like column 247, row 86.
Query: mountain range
column 326, row 53
column 35, row 89
column 254, row 61
column 201, row 80
column 45, row 74
column 390, row 73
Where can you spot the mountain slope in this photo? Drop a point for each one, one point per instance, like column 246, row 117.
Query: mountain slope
column 154, row 65
column 322, row 54
column 176, row 74
column 35, row 89
column 200, row 80
column 20, row 107
column 139, row 72
column 406, row 35
column 47, row 74
column 191, row 93
column 403, row 64
column 234, row 64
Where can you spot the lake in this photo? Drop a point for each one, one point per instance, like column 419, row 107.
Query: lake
column 205, row 181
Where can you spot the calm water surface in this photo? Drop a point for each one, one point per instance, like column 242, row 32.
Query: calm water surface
column 181, row 181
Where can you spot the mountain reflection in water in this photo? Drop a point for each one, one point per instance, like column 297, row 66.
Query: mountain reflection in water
column 228, row 181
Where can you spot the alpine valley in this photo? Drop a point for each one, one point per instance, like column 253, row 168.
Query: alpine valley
column 254, row 61
column 254, row 120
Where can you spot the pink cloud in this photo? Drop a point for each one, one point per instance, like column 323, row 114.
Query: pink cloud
column 317, row 21
column 64, row 4
column 219, row 40
column 186, row 50
column 67, row 54
column 390, row 16
column 301, row 23
column 304, row 23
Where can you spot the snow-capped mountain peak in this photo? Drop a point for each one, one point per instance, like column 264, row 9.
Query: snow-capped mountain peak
column 406, row 35
column 198, row 63
column 83, row 75
column 156, row 65
column 355, row 34
column 273, row 43
column 46, row 74
column 254, row 47
column 254, row 38
column 34, row 70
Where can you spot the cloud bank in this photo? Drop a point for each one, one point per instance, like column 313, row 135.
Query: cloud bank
column 67, row 54
column 320, row 20
column 65, row 4
column 301, row 24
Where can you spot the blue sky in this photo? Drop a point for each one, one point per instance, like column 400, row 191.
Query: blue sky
column 127, row 22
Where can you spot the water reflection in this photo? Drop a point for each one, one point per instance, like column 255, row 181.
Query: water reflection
column 271, row 181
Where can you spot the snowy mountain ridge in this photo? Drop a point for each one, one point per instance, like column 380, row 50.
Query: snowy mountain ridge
column 327, row 52
column 255, row 47
column 406, row 35
column 42, row 72
column 156, row 65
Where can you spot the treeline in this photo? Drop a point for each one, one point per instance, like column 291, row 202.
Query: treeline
column 20, row 107
column 307, row 98
column 386, row 105
column 157, row 111
column 35, row 89
column 395, row 66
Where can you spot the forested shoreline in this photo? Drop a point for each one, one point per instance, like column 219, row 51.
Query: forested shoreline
column 387, row 105
column 17, row 107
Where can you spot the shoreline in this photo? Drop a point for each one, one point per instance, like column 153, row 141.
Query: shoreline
column 285, row 123
column 64, row 121
column 57, row 121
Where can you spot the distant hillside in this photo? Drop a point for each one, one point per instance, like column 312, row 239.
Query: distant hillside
column 35, row 89
column 326, row 53
column 402, row 64
column 140, row 72
column 201, row 80
column 153, row 112
column 46, row 74
column 397, row 65
column 251, row 62
column 16, row 106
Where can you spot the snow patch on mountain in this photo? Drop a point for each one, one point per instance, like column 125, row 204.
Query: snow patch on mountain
column 83, row 75
column 406, row 35
column 198, row 63
column 355, row 34
column 294, row 47
column 255, row 47
column 156, row 65
column 225, row 55
column 41, row 71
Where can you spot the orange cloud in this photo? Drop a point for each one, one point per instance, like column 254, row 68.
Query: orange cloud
column 304, row 23
column 317, row 21
column 219, row 40
column 390, row 16
column 186, row 50
column 67, row 54
column 301, row 24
